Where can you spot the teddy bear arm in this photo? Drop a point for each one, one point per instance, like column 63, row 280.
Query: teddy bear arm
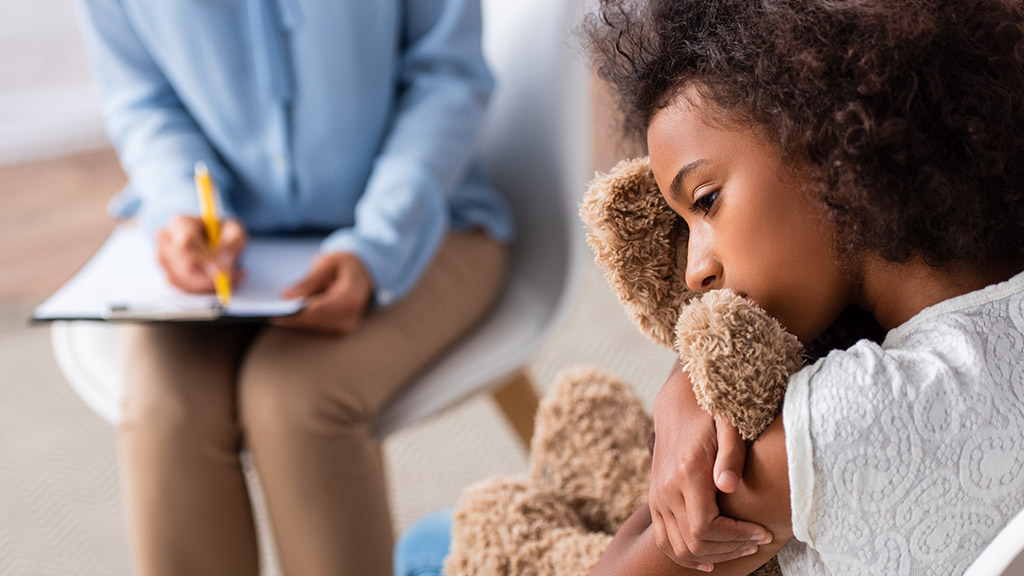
column 739, row 359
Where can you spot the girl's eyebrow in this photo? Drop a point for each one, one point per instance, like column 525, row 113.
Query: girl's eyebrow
column 675, row 189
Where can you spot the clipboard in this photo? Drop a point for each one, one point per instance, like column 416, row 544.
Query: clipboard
column 122, row 281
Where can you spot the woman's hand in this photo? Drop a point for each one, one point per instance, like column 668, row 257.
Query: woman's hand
column 183, row 251
column 337, row 292
column 693, row 458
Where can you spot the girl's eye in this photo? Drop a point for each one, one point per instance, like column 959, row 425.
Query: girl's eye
column 704, row 204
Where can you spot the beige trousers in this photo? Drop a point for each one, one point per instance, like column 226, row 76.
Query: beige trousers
column 303, row 404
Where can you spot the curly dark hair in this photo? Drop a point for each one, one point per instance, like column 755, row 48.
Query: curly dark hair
column 907, row 115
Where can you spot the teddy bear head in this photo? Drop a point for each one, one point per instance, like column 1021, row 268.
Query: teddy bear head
column 641, row 245
column 738, row 357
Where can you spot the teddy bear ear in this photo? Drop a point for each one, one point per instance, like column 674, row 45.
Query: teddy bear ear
column 641, row 245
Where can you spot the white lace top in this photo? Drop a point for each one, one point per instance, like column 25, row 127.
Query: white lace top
column 907, row 458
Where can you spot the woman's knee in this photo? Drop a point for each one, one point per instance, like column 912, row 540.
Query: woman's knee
column 176, row 397
column 287, row 394
column 181, row 417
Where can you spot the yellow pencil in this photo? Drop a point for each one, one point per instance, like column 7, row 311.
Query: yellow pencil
column 211, row 220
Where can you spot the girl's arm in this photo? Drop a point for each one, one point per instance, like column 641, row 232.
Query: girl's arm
column 762, row 497
column 690, row 453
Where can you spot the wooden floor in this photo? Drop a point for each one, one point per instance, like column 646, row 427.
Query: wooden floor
column 52, row 218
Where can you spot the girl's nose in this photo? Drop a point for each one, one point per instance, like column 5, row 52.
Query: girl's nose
column 703, row 270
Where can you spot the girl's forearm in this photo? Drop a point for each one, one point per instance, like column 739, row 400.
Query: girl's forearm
column 634, row 551
column 676, row 396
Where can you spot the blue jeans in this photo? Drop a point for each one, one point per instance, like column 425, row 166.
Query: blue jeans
column 422, row 548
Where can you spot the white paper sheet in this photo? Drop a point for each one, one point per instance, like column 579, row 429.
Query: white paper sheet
column 124, row 275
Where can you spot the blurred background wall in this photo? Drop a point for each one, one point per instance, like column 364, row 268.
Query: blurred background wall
column 48, row 107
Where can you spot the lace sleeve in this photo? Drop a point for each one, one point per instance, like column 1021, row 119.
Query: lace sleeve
column 904, row 459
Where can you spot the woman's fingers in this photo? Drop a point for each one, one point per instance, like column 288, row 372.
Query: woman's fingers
column 320, row 276
column 337, row 290
column 233, row 239
column 325, row 313
column 182, row 254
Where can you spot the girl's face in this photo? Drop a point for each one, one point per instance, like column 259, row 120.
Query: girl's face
column 752, row 230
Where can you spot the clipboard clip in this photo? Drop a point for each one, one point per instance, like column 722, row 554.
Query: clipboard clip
column 158, row 313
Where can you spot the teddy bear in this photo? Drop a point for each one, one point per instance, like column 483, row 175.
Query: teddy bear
column 590, row 462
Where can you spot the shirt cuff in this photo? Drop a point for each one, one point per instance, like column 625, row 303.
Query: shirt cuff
column 401, row 221
column 796, row 418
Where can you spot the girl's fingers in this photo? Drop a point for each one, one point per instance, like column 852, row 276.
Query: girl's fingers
column 660, row 534
column 732, row 454
column 677, row 549
column 704, row 526
column 685, row 533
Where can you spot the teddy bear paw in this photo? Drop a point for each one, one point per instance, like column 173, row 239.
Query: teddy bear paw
column 590, row 446
column 504, row 523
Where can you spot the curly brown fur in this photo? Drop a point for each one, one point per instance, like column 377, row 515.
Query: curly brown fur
column 907, row 115
column 739, row 359
column 506, row 526
column 636, row 239
column 590, row 444
column 589, row 471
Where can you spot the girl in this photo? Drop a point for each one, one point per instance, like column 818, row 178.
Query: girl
column 828, row 154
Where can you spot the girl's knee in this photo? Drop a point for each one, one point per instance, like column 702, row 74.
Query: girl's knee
column 421, row 550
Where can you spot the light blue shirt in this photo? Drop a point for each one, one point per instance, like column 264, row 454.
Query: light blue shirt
column 354, row 117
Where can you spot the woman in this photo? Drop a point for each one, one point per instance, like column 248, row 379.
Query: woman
column 356, row 120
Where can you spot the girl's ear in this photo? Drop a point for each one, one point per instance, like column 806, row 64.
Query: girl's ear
column 641, row 245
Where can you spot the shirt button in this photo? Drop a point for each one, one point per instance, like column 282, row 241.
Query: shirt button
column 385, row 297
column 280, row 161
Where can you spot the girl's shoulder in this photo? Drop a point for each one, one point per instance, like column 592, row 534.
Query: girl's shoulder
column 912, row 438
column 997, row 307
column 960, row 339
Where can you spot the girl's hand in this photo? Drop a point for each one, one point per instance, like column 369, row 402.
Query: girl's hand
column 337, row 292
column 693, row 458
column 183, row 251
